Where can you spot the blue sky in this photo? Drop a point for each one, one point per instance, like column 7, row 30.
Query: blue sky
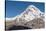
column 14, row 8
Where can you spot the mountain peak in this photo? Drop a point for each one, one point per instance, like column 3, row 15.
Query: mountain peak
column 32, row 9
column 31, row 12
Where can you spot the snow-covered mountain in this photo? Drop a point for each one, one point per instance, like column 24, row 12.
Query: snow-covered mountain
column 32, row 17
column 29, row 14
